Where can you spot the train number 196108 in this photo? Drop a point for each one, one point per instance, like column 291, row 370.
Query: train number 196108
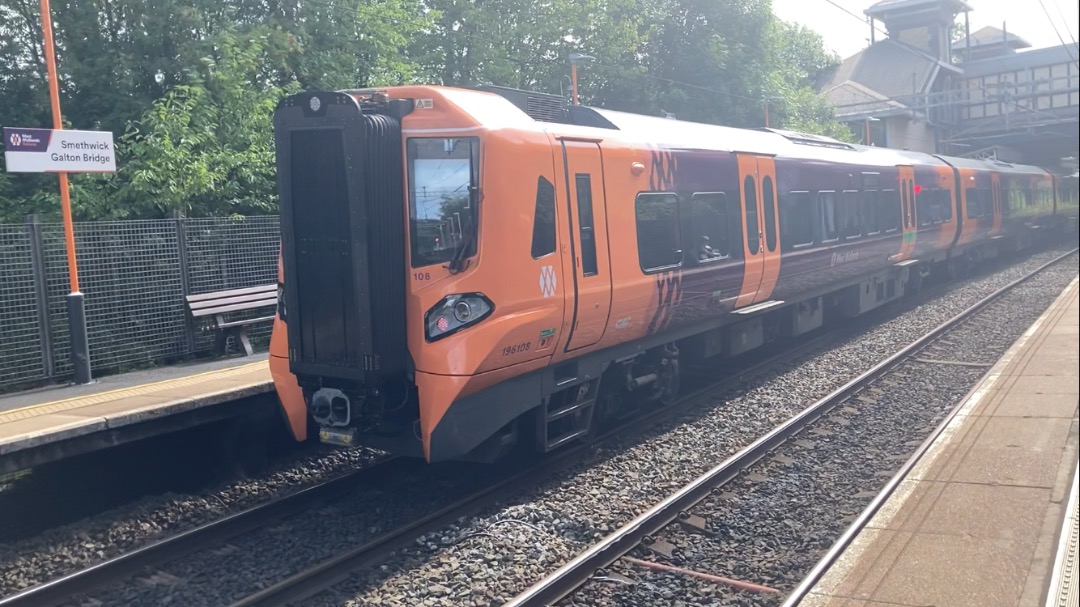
column 524, row 347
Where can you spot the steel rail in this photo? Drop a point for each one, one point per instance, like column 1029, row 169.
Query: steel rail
column 577, row 572
column 868, row 513
column 63, row 588
column 314, row 580
column 184, row 543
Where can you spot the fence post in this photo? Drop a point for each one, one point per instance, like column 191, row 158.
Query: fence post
column 41, row 293
column 185, row 278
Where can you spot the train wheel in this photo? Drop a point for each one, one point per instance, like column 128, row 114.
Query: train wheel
column 671, row 380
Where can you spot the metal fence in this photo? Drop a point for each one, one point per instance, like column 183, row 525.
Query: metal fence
column 134, row 275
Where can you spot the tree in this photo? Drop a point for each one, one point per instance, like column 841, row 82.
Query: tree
column 798, row 59
column 524, row 43
column 207, row 147
column 188, row 100
column 188, row 87
column 341, row 44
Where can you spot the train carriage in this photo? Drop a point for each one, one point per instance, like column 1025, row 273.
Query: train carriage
column 465, row 272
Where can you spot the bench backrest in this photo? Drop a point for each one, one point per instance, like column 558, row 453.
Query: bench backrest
column 234, row 300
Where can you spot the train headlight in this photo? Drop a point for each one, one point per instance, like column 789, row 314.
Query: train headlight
column 454, row 313
column 463, row 311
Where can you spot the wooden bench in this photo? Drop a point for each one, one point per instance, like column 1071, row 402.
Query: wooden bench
column 219, row 303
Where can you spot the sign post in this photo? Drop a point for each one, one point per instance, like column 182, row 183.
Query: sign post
column 76, row 307
column 41, row 150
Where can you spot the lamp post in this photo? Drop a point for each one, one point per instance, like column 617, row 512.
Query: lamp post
column 766, row 101
column 869, row 119
column 576, row 58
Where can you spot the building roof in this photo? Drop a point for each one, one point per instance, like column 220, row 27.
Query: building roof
column 885, row 70
column 853, row 99
column 990, row 36
column 886, row 7
column 1034, row 58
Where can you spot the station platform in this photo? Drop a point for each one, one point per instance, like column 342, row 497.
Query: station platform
column 49, row 424
column 988, row 515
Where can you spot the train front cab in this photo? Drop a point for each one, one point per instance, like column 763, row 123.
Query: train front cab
column 341, row 320
column 386, row 214
column 289, row 394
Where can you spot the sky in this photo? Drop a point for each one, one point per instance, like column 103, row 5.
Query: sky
column 844, row 35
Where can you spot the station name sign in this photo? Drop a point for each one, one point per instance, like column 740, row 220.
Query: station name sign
column 53, row 151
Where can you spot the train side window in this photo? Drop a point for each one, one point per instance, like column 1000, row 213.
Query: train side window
column 753, row 230
column 978, row 203
column 1016, row 198
column 849, row 216
column 543, row 240
column 1044, row 194
column 709, row 215
column 889, row 210
column 944, row 205
column 658, row 234
column 768, row 199
column 871, row 219
column 909, row 210
column 796, row 220
column 827, row 213
column 923, row 205
column 585, row 219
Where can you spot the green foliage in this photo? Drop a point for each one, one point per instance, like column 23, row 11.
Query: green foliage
column 206, row 148
column 188, row 87
column 799, row 59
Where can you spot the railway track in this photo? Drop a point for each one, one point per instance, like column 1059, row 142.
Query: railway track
column 325, row 574
column 573, row 575
column 313, row 580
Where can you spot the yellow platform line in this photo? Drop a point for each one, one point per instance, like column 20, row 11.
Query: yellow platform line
column 140, row 390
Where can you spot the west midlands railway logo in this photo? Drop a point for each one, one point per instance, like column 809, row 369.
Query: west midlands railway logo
column 23, row 141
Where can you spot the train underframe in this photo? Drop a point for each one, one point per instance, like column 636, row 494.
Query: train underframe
column 620, row 381
column 623, row 380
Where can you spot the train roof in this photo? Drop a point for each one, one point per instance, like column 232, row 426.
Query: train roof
column 994, row 165
column 775, row 142
column 497, row 108
column 781, row 143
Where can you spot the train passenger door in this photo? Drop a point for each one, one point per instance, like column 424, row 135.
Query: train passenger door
column 908, row 218
column 998, row 207
column 761, row 229
column 589, row 302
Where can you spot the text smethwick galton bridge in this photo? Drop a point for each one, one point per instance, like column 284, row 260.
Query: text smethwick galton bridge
column 85, row 156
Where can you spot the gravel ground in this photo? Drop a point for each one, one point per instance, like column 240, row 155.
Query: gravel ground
column 72, row 547
column 483, row 560
column 772, row 526
column 552, row 524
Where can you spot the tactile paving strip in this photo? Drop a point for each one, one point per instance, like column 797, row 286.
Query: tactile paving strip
column 142, row 390
column 1064, row 586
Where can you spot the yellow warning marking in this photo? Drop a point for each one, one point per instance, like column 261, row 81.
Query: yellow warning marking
column 141, row 390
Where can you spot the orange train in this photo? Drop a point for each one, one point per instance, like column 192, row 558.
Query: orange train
column 468, row 271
